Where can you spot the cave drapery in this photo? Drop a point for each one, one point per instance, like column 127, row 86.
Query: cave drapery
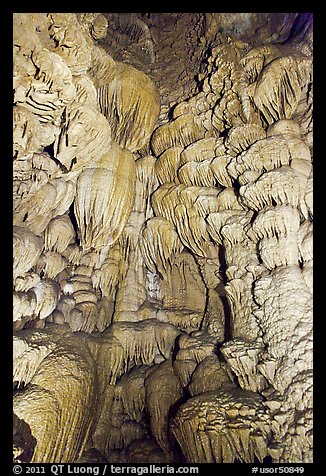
column 162, row 209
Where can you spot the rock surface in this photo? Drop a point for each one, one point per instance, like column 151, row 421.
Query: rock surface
column 163, row 224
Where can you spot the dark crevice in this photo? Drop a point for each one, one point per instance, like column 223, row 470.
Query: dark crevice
column 23, row 440
column 226, row 305
column 73, row 220
column 49, row 149
column 301, row 25
column 236, row 187
column 18, row 386
column 176, row 348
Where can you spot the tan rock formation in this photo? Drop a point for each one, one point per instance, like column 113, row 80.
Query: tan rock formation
column 163, row 237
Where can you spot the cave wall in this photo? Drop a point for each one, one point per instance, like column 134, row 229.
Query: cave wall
column 162, row 208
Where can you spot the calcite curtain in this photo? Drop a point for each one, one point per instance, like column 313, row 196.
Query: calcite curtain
column 162, row 256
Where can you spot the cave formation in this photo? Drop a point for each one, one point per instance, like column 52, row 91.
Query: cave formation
column 162, row 208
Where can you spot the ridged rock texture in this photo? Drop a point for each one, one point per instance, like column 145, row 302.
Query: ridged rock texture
column 162, row 208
